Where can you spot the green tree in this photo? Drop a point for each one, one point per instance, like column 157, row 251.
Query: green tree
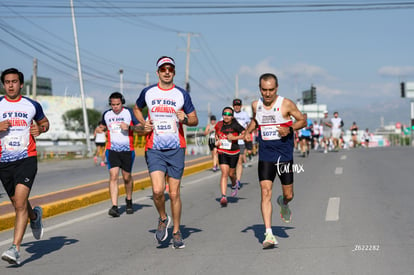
column 144, row 110
column 73, row 119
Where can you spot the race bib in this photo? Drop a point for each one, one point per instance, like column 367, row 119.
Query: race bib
column 225, row 144
column 116, row 128
column 16, row 143
column 270, row 132
column 167, row 126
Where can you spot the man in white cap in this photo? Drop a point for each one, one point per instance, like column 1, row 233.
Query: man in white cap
column 326, row 124
column 169, row 108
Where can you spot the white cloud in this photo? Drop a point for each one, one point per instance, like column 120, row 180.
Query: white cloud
column 260, row 68
column 396, row 71
column 329, row 91
column 213, row 83
column 389, row 89
column 302, row 71
column 307, row 71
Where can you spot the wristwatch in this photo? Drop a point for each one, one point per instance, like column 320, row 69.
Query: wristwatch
column 291, row 130
column 185, row 120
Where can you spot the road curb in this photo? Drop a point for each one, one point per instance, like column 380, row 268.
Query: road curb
column 76, row 202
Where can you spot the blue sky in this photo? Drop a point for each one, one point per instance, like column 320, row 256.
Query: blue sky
column 356, row 59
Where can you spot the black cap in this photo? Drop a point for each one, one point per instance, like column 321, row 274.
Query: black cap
column 237, row 102
column 213, row 118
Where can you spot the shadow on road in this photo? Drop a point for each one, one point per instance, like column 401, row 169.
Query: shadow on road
column 185, row 233
column 38, row 249
column 259, row 230
column 135, row 206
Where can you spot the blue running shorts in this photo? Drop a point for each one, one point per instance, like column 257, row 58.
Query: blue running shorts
column 168, row 161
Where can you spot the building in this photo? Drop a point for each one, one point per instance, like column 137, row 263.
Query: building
column 43, row 86
column 54, row 107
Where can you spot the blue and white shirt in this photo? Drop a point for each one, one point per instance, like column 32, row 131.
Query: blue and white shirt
column 162, row 107
column 118, row 139
column 17, row 143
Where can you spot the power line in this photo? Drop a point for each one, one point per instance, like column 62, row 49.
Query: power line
column 86, row 9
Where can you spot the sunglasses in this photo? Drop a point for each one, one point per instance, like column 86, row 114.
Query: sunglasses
column 164, row 69
column 227, row 114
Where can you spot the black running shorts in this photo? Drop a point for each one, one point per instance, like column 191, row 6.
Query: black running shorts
column 230, row 160
column 268, row 171
column 22, row 171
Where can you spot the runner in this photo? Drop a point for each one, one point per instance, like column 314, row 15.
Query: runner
column 272, row 114
column 315, row 135
column 100, row 142
column 210, row 132
column 228, row 131
column 354, row 134
column 305, row 136
column 21, row 120
column 120, row 152
column 169, row 108
column 366, row 137
column 243, row 119
column 326, row 124
column 336, row 130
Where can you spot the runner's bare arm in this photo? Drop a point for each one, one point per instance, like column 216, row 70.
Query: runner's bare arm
column 4, row 125
column 138, row 114
column 294, row 112
column 39, row 127
column 253, row 123
column 192, row 119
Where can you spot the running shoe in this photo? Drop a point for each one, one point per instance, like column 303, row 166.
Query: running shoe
column 11, row 255
column 95, row 159
column 215, row 168
column 238, row 184
column 114, row 211
column 129, row 208
column 102, row 163
column 270, row 241
column 223, row 201
column 36, row 224
column 235, row 188
column 162, row 232
column 178, row 240
column 285, row 212
column 234, row 191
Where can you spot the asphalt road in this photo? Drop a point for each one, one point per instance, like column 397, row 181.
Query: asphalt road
column 351, row 215
column 56, row 175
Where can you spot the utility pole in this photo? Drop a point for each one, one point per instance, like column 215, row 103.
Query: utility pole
column 407, row 90
column 187, row 71
column 34, row 79
column 147, row 81
column 187, row 63
column 236, row 94
column 208, row 112
column 121, row 81
column 85, row 115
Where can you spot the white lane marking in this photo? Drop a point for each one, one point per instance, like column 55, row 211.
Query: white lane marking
column 332, row 211
column 201, row 179
column 343, row 157
column 339, row 170
column 94, row 214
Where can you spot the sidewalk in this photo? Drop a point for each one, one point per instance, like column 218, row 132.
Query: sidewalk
column 61, row 201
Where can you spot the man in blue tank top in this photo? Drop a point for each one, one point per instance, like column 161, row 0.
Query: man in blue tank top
column 272, row 116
